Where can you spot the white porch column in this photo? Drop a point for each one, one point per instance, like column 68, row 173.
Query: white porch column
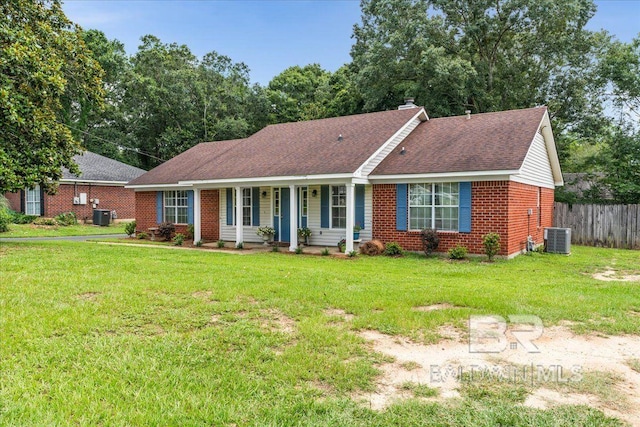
column 293, row 218
column 351, row 213
column 197, row 216
column 239, row 235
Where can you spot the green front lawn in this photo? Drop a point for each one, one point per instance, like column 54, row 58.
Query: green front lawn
column 31, row 230
column 115, row 335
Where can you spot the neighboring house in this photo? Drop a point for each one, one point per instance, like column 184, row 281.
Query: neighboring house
column 393, row 173
column 100, row 185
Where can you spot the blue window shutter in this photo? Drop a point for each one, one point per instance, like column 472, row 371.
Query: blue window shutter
column 359, row 219
column 255, row 205
column 189, row 206
column 401, row 207
column 159, row 200
column 229, row 206
column 324, row 206
column 464, row 213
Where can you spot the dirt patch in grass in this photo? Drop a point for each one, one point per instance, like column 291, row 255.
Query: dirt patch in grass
column 88, row 296
column 276, row 321
column 569, row 368
column 336, row 312
column 435, row 307
column 611, row 275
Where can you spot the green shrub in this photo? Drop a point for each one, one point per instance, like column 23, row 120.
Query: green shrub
column 220, row 244
column 199, row 243
column 430, row 240
column 130, row 228
column 392, row 249
column 66, row 219
column 299, row 250
column 142, row 235
column 341, row 245
column 5, row 219
column 178, row 239
column 275, row 248
column 20, row 218
column 240, row 245
column 491, row 243
column 325, row 252
column 166, row 230
column 45, row 221
column 352, row 254
column 458, row 252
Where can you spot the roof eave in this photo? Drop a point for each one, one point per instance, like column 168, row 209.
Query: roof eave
column 489, row 175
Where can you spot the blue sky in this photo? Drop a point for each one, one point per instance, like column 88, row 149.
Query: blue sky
column 269, row 35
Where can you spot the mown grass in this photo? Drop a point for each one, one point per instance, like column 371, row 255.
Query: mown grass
column 31, row 230
column 103, row 335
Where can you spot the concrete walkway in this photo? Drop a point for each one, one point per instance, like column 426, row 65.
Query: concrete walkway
column 71, row 238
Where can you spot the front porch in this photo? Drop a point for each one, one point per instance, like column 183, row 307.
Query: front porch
column 328, row 210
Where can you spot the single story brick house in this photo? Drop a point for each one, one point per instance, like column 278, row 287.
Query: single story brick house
column 393, row 173
column 101, row 185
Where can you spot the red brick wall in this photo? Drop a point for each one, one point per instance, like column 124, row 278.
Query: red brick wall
column 14, row 200
column 145, row 210
column 523, row 197
column 496, row 206
column 117, row 198
column 145, row 202
column 210, row 208
column 120, row 199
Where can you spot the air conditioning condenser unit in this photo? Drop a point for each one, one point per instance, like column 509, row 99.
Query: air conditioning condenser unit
column 557, row 240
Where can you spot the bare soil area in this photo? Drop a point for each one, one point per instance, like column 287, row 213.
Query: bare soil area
column 591, row 370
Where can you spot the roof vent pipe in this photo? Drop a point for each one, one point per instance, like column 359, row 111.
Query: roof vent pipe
column 468, row 113
column 340, row 138
column 408, row 103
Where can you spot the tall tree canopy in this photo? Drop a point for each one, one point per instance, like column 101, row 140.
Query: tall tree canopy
column 481, row 55
column 44, row 66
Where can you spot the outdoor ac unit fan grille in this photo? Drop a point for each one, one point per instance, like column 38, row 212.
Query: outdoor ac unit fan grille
column 558, row 240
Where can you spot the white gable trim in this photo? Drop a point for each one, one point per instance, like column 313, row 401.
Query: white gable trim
column 545, row 129
column 385, row 149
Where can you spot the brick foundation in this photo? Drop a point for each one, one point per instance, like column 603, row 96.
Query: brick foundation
column 496, row 206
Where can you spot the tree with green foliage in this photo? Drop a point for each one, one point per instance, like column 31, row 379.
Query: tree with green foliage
column 295, row 92
column 483, row 55
column 173, row 100
column 105, row 131
column 44, row 65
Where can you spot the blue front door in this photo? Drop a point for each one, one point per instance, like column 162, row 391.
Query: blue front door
column 281, row 214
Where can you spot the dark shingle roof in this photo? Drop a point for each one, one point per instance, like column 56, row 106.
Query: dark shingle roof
column 94, row 167
column 485, row 142
column 299, row 148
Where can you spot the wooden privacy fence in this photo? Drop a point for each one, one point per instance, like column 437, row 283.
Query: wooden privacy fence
column 614, row 226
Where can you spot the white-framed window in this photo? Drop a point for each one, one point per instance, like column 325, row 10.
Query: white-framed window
column 246, row 206
column 304, row 202
column 175, row 207
column 338, row 206
column 434, row 205
column 276, row 202
column 32, row 202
